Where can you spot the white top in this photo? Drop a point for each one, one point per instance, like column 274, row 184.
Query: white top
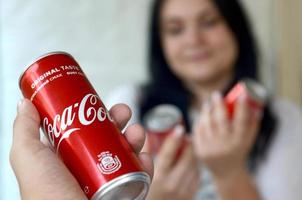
column 279, row 177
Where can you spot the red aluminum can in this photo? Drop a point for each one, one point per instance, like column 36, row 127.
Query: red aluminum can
column 160, row 122
column 81, row 131
column 256, row 96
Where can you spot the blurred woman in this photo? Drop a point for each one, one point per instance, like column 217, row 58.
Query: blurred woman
column 199, row 49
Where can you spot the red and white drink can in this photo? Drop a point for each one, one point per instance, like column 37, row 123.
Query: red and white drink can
column 160, row 122
column 81, row 131
column 255, row 93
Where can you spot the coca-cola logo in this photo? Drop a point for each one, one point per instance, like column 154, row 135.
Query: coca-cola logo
column 86, row 112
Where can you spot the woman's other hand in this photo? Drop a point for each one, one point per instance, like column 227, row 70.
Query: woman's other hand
column 223, row 144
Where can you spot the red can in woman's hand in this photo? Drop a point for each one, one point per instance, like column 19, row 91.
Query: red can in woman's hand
column 160, row 122
column 81, row 130
column 254, row 92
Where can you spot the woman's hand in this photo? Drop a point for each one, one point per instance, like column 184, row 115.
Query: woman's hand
column 175, row 176
column 223, row 146
column 39, row 171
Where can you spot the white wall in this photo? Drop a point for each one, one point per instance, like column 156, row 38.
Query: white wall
column 106, row 37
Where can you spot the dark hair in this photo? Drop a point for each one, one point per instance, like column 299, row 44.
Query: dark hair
column 165, row 87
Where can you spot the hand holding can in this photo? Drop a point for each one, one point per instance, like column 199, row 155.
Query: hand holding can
column 81, row 130
column 227, row 128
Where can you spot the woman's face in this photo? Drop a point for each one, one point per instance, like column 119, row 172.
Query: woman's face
column 197, row 42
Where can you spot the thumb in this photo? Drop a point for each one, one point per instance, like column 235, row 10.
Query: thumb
column 27, row 123
column 169, row 149
column 146, row 147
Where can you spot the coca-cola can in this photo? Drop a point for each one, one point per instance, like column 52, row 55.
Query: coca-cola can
column 81, row 130
column 255, row 93
column 160, row 122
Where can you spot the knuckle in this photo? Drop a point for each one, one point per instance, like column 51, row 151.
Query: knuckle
column 171, row 188
column 135, row 126
column 159, row 177
column 27, row 123
column 16, row 122
column 12, row 155
column 200, row 155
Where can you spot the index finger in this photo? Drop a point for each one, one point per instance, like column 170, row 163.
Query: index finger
column 27, row 122
column 169, row 149
column 121, row 114
column 241, row 117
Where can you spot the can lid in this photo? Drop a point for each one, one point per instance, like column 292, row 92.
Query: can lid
column 256, row 90
column 133, row 185
column 162, row 117
column 37, row 59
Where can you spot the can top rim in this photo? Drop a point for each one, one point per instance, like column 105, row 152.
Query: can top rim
column 156, row 118
column 256, row 90
column 37, row 59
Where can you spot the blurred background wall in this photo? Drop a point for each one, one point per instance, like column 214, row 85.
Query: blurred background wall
column 108, row 38
column 289, row 53
column 262, row 16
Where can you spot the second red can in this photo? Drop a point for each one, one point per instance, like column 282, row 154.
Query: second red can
column 161, row 122
column 254, row 92
column 81, row 130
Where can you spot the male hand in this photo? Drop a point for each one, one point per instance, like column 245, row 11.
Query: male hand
column 39, row 171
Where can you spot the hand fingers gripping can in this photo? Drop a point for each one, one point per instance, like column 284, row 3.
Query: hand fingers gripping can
column 81, row 130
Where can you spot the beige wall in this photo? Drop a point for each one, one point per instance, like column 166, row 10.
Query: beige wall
column 278, row 27
column 290, row 49
column 261, row 14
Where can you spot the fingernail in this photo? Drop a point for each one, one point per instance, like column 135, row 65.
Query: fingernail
column 216, row 97
column 178, row 131
column 20, row 104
